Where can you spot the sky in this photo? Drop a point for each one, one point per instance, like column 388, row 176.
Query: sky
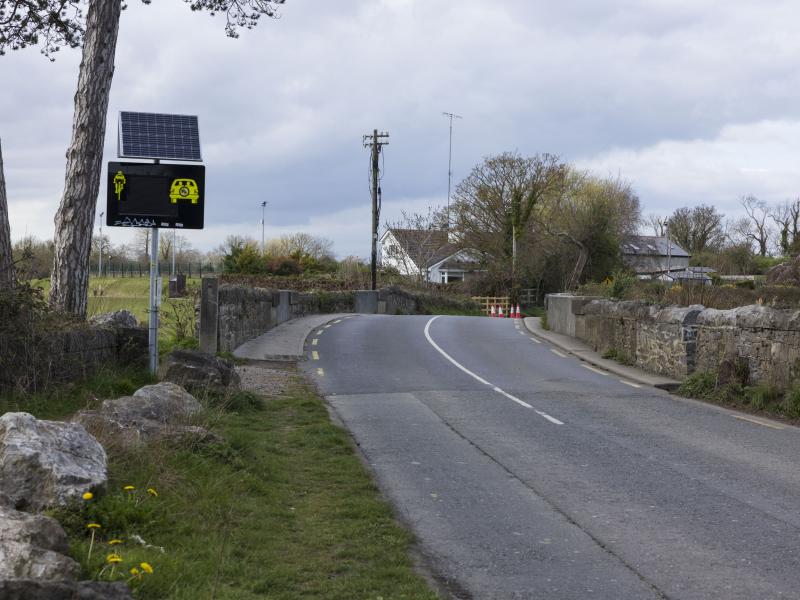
column 691, row 102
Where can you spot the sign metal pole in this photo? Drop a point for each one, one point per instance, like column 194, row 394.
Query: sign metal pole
column 154, row 294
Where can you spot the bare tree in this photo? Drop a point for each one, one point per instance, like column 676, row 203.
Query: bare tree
column 786, row 215
column 754, row 228
column 57, row 23
column 658, row 224
column 301, row 244
column 696, row 229
column 7, row 275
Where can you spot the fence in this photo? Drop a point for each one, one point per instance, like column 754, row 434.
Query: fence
column 486, row 302
column 143, row 269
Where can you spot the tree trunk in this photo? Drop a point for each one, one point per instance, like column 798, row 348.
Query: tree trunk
column 6, row 261
column 75, row 216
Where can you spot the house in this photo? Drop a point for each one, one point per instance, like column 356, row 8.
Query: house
column 653, row 256
column 427, row 254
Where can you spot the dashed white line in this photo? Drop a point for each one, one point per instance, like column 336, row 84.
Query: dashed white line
column 481, row 379
column 326, row 326
column 337, row 321
column 591, row 368
column 557, row 353
column 320, row 332
column 534, row 340
column 635, row 385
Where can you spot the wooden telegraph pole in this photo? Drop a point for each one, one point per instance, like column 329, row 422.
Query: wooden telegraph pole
column 375, row 143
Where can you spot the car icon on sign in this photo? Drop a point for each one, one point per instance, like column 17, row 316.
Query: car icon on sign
column 184, row 189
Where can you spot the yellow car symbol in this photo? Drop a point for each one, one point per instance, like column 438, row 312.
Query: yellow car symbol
column 184, row 189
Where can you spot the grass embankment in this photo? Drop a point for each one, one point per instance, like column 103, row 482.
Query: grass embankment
column 280, row 508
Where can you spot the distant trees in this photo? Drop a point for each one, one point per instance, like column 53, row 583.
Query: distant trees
column 295, row 254
column 697, row 229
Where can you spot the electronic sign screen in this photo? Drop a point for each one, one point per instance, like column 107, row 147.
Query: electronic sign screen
column 155, row 195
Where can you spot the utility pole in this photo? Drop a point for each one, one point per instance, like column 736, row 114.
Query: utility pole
column 174, row 240
column 375, row 142
column 450, row 164
column 263, row 243
column 100, row 262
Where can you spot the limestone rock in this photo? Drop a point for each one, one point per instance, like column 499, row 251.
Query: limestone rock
column 153, row 412
column 33, row 547
column 199, row 372
column 46, row 463
column 121, row 319
column 63, row 590
column 787, row 273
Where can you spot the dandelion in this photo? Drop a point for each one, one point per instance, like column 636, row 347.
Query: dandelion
column 129, row 488
column 87, row 495
column 152, row 492
column 146, row 568
column 114, row 558
column 135, row 572
column 92, row 527
column 114, row 542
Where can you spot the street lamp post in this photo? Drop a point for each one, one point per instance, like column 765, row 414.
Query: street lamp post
column 100, row 262
column 263, row 243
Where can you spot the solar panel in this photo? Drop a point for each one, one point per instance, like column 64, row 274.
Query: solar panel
column 158, row 136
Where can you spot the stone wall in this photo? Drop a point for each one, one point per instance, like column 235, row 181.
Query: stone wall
column 65, row 356
column 676, row 341
column 244, row 313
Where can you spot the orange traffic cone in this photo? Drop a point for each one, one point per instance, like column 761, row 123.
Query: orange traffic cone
column 500, row 314
column 493, row 313
column 517, row 314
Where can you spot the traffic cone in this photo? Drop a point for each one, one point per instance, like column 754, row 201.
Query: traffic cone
column 500, row 314
column 493, row 313
column 517, row 314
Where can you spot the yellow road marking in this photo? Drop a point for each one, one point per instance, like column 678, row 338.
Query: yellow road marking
column 315, row 341
column 758, row 422
column 321, row 372
column 315, row 355
column 557, row 353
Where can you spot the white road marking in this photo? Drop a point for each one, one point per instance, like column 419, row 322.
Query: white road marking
column 315, row 341
column 557, row 353
column 481, row 379
column 534, row 340
column 320, row 332
column 315, row 355
column 326, row 326
column 338, row 321
column 636, row 385
column 758, row 422
column 591, row 368
column 321, row 372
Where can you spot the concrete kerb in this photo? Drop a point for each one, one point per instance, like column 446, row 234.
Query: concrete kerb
column 585, row 353
column 286, row 342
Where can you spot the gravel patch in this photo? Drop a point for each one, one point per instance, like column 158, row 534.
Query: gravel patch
column 266, row 379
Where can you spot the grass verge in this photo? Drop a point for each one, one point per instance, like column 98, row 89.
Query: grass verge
column 281, row 509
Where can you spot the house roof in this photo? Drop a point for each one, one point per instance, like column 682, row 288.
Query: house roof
column 427, row 242
column 651, row 245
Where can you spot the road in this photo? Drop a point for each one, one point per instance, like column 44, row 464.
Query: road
column 526, row 474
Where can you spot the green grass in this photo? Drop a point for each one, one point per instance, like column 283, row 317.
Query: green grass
column 62, row 401
column 283, row 509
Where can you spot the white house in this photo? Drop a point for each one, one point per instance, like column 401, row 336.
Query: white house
column 653, row 256
column 426, row 253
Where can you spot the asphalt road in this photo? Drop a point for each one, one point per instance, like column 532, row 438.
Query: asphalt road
column 524, row 474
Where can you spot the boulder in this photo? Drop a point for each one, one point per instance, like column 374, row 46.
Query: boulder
column 47, row 463
column 33, row 547
column 153, row 412
column 199, row 372
column 787, row 273
column 63, row 590
column 121, row 319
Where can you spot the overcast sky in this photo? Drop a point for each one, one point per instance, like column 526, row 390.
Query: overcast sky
column 692, row 102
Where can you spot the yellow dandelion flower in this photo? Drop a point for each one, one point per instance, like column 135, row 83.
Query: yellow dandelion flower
column 129, row 488
column 146, row 568
column 93, row 526
column 152, row 492
column 114, row 558
column 87, row 495
column 135, row 572
column 114, row 542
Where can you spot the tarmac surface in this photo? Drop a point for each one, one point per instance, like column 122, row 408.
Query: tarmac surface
column 529, row 468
